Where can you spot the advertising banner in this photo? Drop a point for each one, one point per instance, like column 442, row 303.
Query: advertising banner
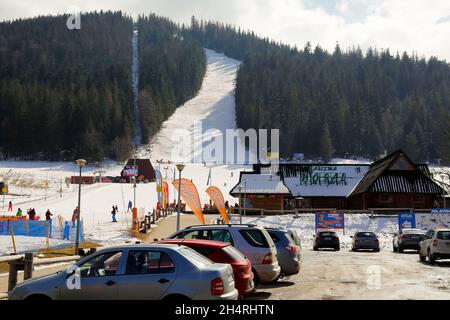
column 159, row 186
column 166, row 194
column 331, row 221
column 190, row 195
column 219, row 202
column 406, row 220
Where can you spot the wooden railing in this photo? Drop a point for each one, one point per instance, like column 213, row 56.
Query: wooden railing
column 26, row 262
column 151, row 218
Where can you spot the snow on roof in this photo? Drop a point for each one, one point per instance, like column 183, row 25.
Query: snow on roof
column 324, row 180
column 260, row 184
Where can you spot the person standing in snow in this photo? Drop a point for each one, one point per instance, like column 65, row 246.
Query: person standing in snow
column 66, row 232
column 74, row 216
column 113, row 213
column 19, row 213
column 10, row 206
column 130, row 206
column 48, row 215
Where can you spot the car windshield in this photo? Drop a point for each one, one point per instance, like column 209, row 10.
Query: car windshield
column 328, row 234
column 197, row 259
column 233, row 253
column 443, row 235
column 366, row 235
column 413, row 231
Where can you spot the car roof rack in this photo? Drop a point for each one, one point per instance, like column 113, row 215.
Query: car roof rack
column 222, row 225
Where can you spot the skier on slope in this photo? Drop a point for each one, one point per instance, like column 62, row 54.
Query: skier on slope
column 130, row 206
column 113, row 213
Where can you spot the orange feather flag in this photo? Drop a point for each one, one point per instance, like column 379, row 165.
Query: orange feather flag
column 219, row 202
column 189, row 194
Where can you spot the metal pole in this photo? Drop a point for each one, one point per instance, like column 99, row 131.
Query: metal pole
column 179, row 203
column 240, row 204
column 77, row 242
column 135, row 178
column 245, row 197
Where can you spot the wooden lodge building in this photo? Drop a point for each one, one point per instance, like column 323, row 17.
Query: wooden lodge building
column 145, row 170
column 392, row 182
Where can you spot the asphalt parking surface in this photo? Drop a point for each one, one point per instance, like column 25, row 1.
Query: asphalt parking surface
column 347, row 275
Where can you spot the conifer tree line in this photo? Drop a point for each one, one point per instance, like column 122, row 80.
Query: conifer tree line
column 172, row 67
column 66, row 93
column 344, row 103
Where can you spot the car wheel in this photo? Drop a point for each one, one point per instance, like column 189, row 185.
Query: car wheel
column 422, row 258
column 255, row 279
column 176, row 297
column 377, row 250
column 337, row 249
column 315, row 249
column 400, row 250
column 354, row 249
column 394, row 248
column 431, row 258
column 38, row 298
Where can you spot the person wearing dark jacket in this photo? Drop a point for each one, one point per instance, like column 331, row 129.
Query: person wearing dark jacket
column 48, row 215
column 113, row 213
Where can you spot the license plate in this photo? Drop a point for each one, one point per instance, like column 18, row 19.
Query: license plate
column 327, row 239
column 415, row 238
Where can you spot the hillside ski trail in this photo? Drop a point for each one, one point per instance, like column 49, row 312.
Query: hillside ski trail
column 135, row 83
column 214, row 106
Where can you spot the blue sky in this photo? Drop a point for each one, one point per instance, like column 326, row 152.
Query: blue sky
column 403, row 25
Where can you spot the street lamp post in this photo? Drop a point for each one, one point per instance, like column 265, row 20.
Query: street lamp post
column 245, row 197
column 81, row 163
column 135, row 178
column 240, row 203
column 180, row 168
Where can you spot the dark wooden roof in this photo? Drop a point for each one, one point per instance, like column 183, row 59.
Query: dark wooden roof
column 145, row 168
column 383, row 177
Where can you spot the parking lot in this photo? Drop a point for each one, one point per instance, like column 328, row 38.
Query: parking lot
column 328, row 275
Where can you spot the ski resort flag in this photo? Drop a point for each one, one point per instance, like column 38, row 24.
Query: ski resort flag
column 219, row 202
column 166, row 195
column 189, row 194
column 159, row 186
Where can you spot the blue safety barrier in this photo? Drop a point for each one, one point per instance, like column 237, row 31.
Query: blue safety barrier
column 32, row 228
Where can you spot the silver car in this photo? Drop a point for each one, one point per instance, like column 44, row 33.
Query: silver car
column 137, row 272
column 254, row 242
column 288, row 252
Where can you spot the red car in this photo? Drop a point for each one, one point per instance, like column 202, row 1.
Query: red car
column 221, row 252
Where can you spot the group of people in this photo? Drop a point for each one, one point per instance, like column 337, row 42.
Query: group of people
column 32, row 214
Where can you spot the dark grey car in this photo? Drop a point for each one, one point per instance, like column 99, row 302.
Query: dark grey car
column 288, row 252
column 407, row 239
column 326, row 240
column 365, row 241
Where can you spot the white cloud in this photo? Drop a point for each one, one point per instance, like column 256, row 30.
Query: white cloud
column 414, row 25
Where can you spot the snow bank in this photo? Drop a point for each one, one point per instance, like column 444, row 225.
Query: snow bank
column 304, row 226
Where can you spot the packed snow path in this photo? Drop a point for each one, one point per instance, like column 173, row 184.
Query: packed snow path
column 214, row 106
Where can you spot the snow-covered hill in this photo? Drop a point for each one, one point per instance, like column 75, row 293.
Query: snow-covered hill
column 214, row 106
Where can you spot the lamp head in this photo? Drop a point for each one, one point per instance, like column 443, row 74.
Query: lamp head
column 180, row 167
column 81, row 162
